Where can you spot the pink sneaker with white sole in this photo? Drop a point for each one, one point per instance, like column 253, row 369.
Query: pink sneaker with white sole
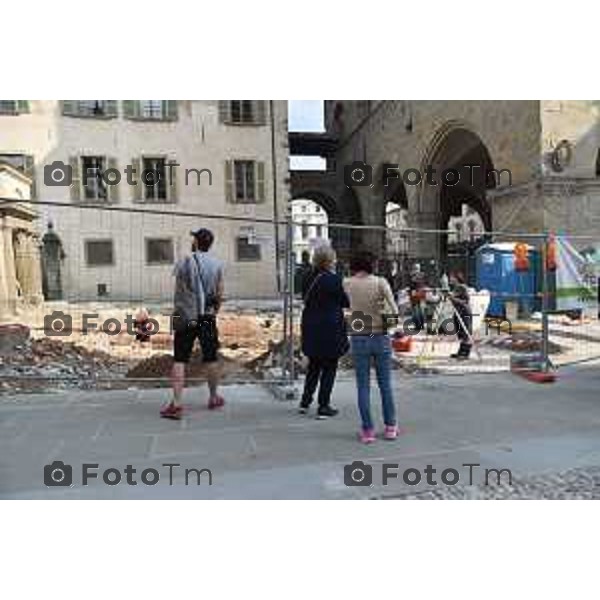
column 367, row 436
column 390, row 432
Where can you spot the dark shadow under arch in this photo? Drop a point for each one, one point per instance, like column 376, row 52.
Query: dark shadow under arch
column 459, row 148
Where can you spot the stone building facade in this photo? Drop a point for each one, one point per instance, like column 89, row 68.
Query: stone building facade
column 541, row 156
column 120, row 241
column 20, row 268
column 310, row 227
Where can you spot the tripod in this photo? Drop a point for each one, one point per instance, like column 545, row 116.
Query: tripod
column 436, row 319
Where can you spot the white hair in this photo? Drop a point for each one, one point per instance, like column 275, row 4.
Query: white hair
column 323, row 256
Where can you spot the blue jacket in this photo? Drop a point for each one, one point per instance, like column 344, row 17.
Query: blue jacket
column 323, row 326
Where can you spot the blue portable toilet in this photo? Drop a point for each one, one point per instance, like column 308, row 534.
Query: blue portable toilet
column 495, row 265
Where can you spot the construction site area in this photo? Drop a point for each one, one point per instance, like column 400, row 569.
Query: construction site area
column 89, row 278
column 260, row 341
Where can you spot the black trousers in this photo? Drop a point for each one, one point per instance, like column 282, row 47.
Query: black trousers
column 463, row 332
column 321, row 372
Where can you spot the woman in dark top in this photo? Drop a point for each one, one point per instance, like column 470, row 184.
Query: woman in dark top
column 324, row 337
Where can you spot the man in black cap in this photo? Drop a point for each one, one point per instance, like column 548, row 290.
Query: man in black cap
column 198, row 297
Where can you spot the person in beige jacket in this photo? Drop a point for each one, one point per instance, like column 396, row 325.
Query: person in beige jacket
column 371, row 299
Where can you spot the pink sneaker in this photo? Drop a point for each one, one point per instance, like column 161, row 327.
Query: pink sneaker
column 216, row 402
column 390, row 432
column 171, row 411
column 367, row 436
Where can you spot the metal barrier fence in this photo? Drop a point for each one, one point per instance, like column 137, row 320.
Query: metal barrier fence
column 525, row 306
column 117, row 264
column 107, row 269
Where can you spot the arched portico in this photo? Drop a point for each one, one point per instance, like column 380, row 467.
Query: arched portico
column 457, row 170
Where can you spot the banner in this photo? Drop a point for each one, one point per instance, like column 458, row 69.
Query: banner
column 576, row 278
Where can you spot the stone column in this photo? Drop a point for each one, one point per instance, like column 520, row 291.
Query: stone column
column 20, row 251
column 27, row 267
column 3, row 279
column 421, row 244
column 9, row 269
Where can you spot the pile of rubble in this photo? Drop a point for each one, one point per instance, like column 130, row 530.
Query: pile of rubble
column 28, row 364
column 156, row 370
column 31, row 361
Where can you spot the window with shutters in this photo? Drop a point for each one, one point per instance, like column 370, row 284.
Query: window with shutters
column 243, row 112
column 159, row 251
column 154, row 179
column 99, row 253
column 245, row 181
column 89, row 108
column 92, row 185
column 150, row 110
column 14, row 107
column 247, row 250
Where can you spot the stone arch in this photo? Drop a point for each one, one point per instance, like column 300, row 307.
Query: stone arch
column 453, row 146
column 340, row 211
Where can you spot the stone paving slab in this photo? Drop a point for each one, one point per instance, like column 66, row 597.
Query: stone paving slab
column 259, row 447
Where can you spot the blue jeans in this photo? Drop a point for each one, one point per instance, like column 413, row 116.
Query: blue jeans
column 366, row 348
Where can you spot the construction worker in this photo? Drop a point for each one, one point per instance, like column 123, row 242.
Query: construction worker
column 459, row 297
column 417, row 296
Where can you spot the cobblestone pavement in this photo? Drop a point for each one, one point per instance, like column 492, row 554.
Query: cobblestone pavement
column 573, row 484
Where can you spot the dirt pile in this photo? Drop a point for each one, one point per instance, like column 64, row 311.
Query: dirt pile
column 251, row 348
column 53, row 363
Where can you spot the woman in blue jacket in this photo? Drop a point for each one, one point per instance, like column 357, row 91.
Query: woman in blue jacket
column 324, row 337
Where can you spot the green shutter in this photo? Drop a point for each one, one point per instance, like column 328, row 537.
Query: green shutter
column 113, row 190
column 136, row 176
column 229, row 182
column 112, row 108
column 169, row 110
column 260, row 181
column 131, row 109
column 22, row 106
column 224, row 111
column 75, row 163
column 69, row 107
column 172, row 181
column 260, row 115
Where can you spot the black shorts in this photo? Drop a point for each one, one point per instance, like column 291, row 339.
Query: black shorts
column 205, row 330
